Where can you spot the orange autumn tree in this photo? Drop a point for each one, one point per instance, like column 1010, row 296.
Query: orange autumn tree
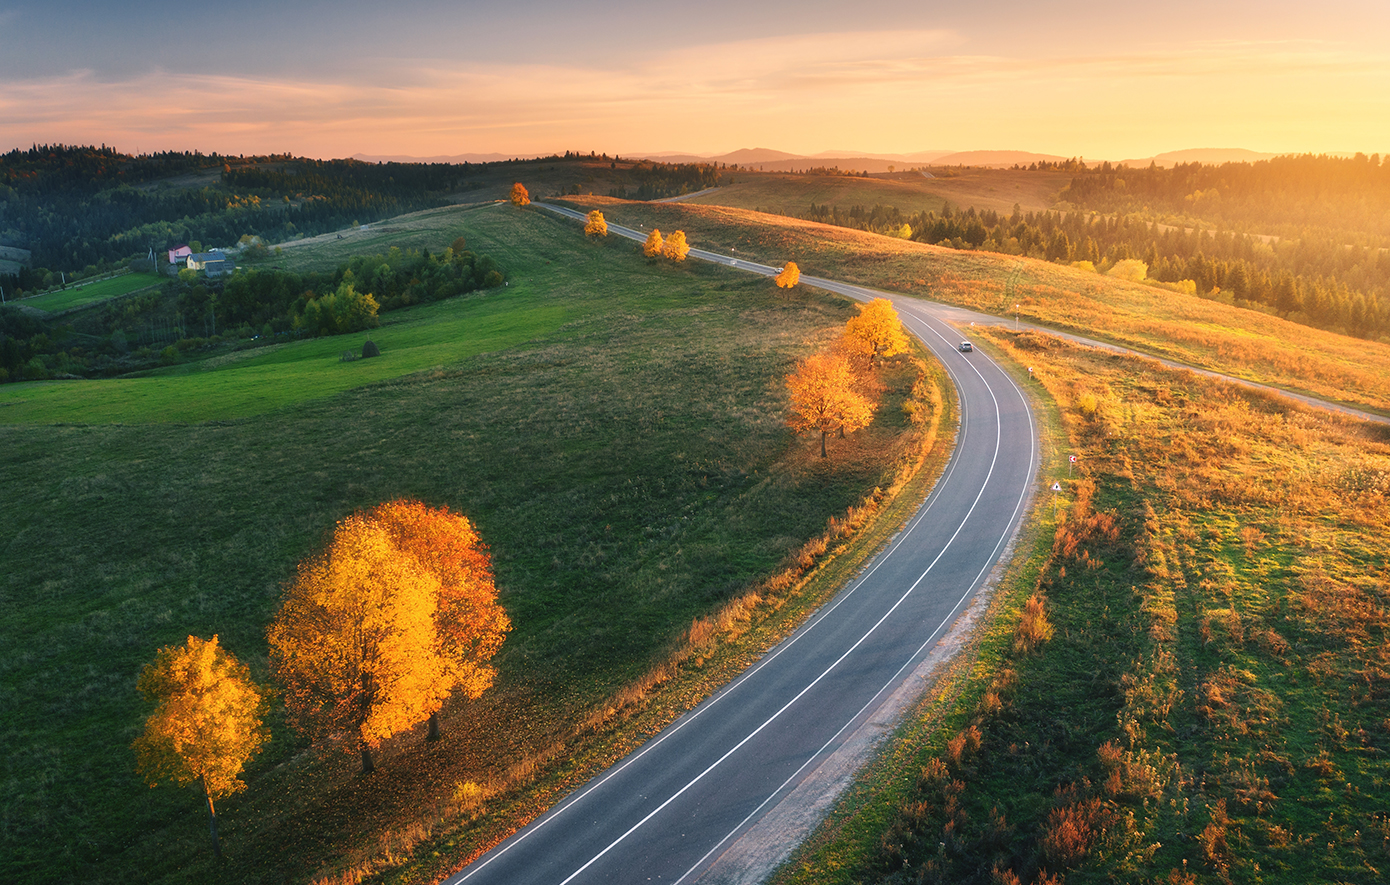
column 355, row 642
column 824, row 396
column 596, row 226
column 207, row 723
column 877, row 331
column 469, row 623
column 652, row 248
column 519, row 196
column 789, row 277
column 675, row 247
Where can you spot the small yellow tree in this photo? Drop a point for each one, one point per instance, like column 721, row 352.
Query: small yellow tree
column 877, row 331
column 675, row 247
column 789, row 277
column 652, row 248
column 823, row 396
column 1131, row 269
column 519, row 195
column 207, row 724
column 596, row 226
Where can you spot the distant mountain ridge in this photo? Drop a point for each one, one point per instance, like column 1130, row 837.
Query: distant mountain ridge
column 452, row 159
column 770, row 160
column 1205, row 156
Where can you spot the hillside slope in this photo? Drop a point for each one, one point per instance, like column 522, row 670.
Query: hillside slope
column 1208, row 334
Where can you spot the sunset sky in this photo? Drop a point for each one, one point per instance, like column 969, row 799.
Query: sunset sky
column 1103, row 79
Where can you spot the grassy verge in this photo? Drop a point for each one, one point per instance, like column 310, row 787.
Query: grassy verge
column 1243, row 343
column 1209, row 704
column 82, row 294
column 625, row 457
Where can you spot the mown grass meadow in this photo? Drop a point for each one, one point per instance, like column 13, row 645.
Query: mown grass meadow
column 82, row 294
column 255, row 381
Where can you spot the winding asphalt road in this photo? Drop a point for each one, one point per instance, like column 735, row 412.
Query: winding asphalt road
column 671, row 810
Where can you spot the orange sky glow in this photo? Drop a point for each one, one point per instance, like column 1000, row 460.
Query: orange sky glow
column 879, row 89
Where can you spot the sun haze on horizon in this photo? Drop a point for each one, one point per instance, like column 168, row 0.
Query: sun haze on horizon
column 423, row 78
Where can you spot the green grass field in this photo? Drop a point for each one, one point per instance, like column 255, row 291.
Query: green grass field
column 253, row 382
column 432, row 229
column 614, row 426
column 82, row 294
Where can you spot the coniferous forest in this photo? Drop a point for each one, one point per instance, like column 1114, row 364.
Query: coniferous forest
column 80, row 207
column 1305, row 237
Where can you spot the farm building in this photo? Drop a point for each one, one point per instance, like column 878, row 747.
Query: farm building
column 214, row 264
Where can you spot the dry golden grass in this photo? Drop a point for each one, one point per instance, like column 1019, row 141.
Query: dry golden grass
column 909, row 192
column 1258, row 540
column 1214, row 703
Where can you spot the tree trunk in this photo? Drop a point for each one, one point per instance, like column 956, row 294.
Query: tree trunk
column 822, row 443
column 367, row 766
column 212, row 824
column 433, row 733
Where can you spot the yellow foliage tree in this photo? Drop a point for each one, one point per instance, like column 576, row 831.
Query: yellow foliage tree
column 339, row 311
column 866, row 381
column 596, row 226
column 675, row 247
column 652, row 248
column 207, row 724
column 824, row 398
column 1131, row 269
column 877, row 331
column 355, row 642
column 519, row 195
column 789, row 277
column 469, row 623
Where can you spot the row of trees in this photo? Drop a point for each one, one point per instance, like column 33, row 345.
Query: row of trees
column 837, row 388
column 672, row 246
column 375, row 632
